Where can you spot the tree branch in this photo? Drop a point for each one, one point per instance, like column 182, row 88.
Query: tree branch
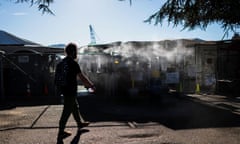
column 43, row 5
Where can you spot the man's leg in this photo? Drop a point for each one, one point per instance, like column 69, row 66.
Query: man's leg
column 67, row 108
column 77, row 116
column 64, row 117
column 63, row 121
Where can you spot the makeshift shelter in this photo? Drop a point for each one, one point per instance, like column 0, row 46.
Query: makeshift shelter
column 217, row 67
column 27, row 68
column 228, row 68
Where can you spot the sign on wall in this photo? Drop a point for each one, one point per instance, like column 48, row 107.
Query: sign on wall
column 23, row 59
column 172, row 77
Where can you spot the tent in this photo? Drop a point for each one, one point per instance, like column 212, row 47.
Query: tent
column 10, row 44
column 27, row 68
column 10, row 39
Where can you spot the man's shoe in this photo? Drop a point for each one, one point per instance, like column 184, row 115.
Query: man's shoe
column 83, row 124
column 64, row 134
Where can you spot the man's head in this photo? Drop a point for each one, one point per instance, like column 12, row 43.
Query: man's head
column 71, row 50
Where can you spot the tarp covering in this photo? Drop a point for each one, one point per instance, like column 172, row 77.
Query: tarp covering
column 10, row 44
column 10, row 39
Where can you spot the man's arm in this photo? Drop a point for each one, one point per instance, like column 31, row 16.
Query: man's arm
column 86, row 82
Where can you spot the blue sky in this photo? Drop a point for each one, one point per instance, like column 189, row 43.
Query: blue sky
column 112, row 21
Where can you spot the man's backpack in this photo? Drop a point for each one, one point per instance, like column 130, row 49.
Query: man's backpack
column 61, row 74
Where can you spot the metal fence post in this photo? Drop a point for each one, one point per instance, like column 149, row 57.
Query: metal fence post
column 2, row 97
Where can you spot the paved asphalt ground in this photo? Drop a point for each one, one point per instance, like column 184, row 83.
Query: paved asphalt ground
column 190, row 119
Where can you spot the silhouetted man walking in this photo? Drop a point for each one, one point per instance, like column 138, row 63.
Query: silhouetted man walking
column 69, row 90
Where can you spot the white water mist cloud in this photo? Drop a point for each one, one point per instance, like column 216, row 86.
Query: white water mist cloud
column 171, row 50
column 155, row 54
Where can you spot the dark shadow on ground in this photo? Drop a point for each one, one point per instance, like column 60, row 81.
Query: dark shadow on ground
column 7, row 106
column 13, row 103
column 76, row 138
column 172, row 111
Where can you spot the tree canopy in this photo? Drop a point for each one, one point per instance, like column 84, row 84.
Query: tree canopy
column 199, row 13
column 188, row 13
